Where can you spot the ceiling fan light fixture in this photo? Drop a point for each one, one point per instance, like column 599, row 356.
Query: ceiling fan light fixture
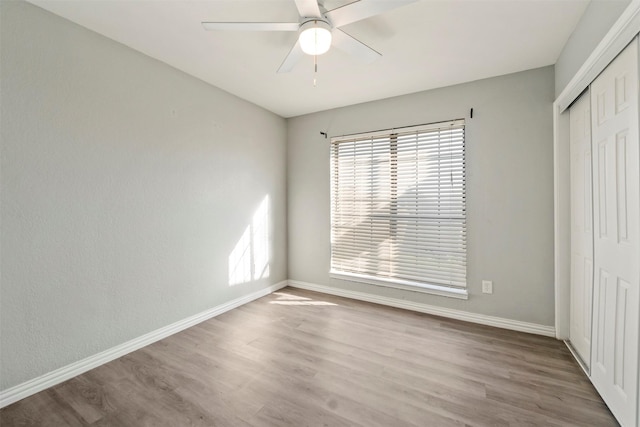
column 315, row 37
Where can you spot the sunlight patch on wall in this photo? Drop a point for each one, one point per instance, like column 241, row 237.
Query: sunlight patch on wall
column 249, row 259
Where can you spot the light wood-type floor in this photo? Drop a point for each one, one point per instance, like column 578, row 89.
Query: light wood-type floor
column 298, row 358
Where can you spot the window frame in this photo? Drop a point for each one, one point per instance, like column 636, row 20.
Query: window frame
column 452, row 291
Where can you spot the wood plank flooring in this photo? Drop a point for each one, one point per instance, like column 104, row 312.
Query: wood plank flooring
column 298, row 358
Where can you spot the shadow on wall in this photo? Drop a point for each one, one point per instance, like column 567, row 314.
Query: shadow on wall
column 249, row 259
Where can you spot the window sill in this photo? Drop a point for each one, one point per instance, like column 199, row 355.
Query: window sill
column 406, row 285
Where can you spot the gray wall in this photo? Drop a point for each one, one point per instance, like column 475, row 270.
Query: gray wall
column 126, row 185
column 596, row 21
column 509, row 189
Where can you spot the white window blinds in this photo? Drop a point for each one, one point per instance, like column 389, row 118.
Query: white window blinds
column 398, row 205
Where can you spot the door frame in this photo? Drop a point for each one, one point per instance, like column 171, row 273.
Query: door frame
column 619, row 36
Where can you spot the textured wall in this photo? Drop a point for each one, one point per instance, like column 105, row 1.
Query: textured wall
column 126, row 187
column 509, row 189
column 596, row 21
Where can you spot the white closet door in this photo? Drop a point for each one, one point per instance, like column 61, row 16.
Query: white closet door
column 581, row 228
column 616, row 215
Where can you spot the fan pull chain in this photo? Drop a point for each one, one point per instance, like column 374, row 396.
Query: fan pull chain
column 315, row 69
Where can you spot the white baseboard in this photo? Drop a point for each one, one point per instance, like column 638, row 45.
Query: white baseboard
column 499, row 322
column 50, row 379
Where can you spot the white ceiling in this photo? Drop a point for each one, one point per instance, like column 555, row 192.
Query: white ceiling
column 425, row 45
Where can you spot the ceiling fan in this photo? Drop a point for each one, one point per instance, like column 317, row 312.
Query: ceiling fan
column 318, row 29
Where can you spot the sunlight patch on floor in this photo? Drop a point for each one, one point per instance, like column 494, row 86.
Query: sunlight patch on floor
column 288, row 299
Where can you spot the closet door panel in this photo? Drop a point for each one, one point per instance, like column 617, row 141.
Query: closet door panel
column 616, row 198
column 581, row 228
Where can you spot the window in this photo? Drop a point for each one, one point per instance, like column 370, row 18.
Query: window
column 398, row 214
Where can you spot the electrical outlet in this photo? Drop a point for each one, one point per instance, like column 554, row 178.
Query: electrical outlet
column 487, row 287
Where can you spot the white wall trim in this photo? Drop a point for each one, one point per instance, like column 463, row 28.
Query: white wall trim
column 578, row 358
column 405, row 285
column 561, row 222
column 52, row 378
column 482, row 319
column 619, row 36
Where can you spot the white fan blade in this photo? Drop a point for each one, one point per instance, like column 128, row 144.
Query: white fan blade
column 252, row 26
column 292, row 59
column 348, row 44
column 308, row 8
column 362, row 9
